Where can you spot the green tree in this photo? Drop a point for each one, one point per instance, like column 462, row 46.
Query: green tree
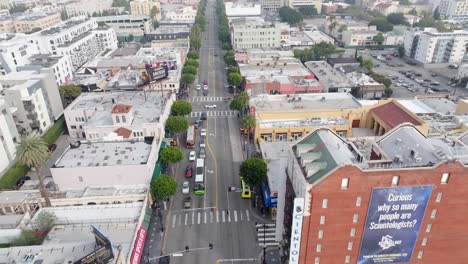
column 233, row 69
column 155, row 24
column 413, row 12
column 171, row 154
column 234, row 79
column 181, row 108
column 17, row 9
column 163, row 187
column 290, row 15
column 401, row 51
column 176, row 124
column 101, row 24
column 33, row 152
column 34, row 30
column 253, row 171
column 189, row 70
column 436, row 14
column 193, row 55
column 304, row 55
column 187, row 78
column 368, row 64
column 342, row 28
column 193, row 63
column 323, row 50
column 44, row 221
column 68, row 93
column 382, row 24
column 130, row 38
column 379, row 38
column 308, row 10
column 397, row 19
column 229, row 53
column 154, row 12
column 236, row 104
column 248, row 122
column 230, row 60
column 195, row 43
column 121, row 3
column 27, row 238
column 405, row 2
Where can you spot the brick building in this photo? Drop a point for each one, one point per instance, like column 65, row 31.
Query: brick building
column 398, row 199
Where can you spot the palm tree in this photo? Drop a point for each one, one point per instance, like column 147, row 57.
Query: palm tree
column 249, row 123
column 33, row 151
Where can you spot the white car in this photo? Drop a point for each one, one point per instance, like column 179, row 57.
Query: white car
column 192, row 155
column 210, row 106
column 198, row 87
column 185, row 187
column 203, row 134
column 205, row 87
column 202, row 143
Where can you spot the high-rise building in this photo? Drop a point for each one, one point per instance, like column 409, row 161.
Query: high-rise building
column 8, row 136
column 144, row 7
column 298, row 3
column 454, row 9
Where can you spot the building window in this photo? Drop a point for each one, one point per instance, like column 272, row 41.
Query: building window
column 324, row 203
column 433, row 213
column 445, row 178
column 319, row 248
column 117, row 119
column 428, row 228
column 320, row 234
column 317, row 260
column 420, row 254
column 344, row 183
column 424, row 241
column 395, row 180
column 73, row 127
column 350, row 245
column 322, row 219
column 124, row 120
column 355, row 218
column 353, row 232
column 358, row 201
column 439, row 197
column 347, row 259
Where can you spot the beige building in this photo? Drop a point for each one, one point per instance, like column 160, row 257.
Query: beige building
column 254, row 33
column 25, row 23
column 143, row 7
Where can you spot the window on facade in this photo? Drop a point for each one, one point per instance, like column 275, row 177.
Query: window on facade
column 445, row 178
column 344, row 183
column 73, row 127
column 124, row 120
column 347, row 259
column 322, row 219
column 355, row 218
column 395, row 180
column 438, row 197
column 433, row 213
column 117, row 119
column 324, row 203
column 353, row 232
column 358, row 201
column 80, row 178
column 350, row 245
column 317, row 260
column 424, row 241
column 320, row 234
column 319, row 248
column 420, row 254
column 428, row 228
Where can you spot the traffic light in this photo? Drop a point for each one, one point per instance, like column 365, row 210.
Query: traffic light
column 210, row 246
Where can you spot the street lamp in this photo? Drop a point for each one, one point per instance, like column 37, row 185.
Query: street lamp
column 264, row 240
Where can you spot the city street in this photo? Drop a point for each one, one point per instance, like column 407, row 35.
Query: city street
column 218, row 217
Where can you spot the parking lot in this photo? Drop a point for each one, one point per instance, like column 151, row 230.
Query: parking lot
column 411, row 80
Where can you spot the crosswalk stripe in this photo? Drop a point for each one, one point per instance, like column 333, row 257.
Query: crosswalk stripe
column 269, row 237
column 205, row 217
column 174, row 219
column 229, row 216
column 199, row 215
column 248, row 217
column 267, row 225
column 186, row 219
column 235, row 216
column 210, row 216
column 217, row 216
column 272, row 244
column 193, row 218
column 224, row 217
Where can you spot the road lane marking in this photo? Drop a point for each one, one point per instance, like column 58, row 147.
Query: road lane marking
column 217, row 216
column 199, row 215
column 215, row 166
column 224, row 217
column 248, row 217
column 235, row 216
column 186, row 219
column 205, row 217
column 229, row 216
column 174, row 219
column 193, row 218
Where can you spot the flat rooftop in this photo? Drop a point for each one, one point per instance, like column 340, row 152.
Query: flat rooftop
column 57, row 29
column 44, row 60
column 306, row 122
column 327, row 75
column 145, row 110
column 98, row 154
column 169, row 29
column 315, row 101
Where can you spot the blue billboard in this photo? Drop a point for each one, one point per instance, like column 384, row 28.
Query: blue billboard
column 393, row 221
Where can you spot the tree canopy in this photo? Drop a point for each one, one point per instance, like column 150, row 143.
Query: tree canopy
column 290, row 15
column 193, row 63
column 68, row 93
column 181, row 108
column 193, row 55
column 405, row 2
column 189, row 70
column 163, row 187
column 187, row 78
column 382, row 24
column 320, row 51
column 171, row 154
column 248, row 122
column 253, row 171
column 309, row 10
column 234, row 79
column 154, row 11
column 230, row 60
column 397, row 19
column 379, row 38
column 239, row 102
column 233, row 69
column 44, row 221
column 121, row 3
column 176, row 124
column 436, row 13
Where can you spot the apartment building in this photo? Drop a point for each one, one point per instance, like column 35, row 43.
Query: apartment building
column 272, row 5
column 179, row 14
column 330, row 199
column 15, row 51
column 251, row 33
column 8, row 136
column 126, row 25
column 144, row 7
column 430, row 46
column 27, row 22
column 86, row 7
column 454, row 9
column 298, row 3
column 237, row 10
column 58, row 65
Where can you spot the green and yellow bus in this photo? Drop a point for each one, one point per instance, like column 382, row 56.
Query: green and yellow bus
column 200, row 177
column 246, row 193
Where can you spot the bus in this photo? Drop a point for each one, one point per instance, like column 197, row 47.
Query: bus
column 190, row 143
column 200, row 177
column 246, row 193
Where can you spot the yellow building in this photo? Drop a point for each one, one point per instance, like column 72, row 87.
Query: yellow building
column 6, row 25
column 25, row 23
column 287, row 118
column 143, row 7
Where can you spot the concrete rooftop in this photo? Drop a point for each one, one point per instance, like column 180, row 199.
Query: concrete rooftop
column 313, row 101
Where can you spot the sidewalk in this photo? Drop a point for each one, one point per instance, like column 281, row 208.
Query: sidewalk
column 155, row 236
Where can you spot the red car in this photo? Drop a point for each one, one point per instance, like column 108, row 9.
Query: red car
column 205, row 82
column 188, row 171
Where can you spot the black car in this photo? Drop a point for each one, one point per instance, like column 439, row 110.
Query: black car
column 165, row 260
column 21, row 181
column 205, row 93
column 203, row 116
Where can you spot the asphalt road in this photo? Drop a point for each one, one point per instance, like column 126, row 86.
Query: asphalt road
column 219, row 217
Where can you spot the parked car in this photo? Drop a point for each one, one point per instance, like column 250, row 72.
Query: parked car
column 205, row 82
column 205, row 87
column 203, row 116
column 202, row 143
column 202, row 153
column 192, row 155
column 185, row 187
column 187, row 203
column 198, row 88
column 188, row 171
column 196, row 124
column 210, row 106
column 203, row 134
column 52, row 148
column 205, row 93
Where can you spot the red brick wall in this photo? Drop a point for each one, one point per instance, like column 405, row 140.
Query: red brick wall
column 447, row 242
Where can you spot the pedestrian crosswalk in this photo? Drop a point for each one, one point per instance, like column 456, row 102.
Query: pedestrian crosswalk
column 201, row 217
column 266, row 235
column 207, row 99
column 215, row 114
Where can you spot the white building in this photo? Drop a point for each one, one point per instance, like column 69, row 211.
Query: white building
column 8, row 136
column 179, row 14
column 15, row 51
column 116, row 163
column 118, row 115
column 251, row 33
column 125, row 25
column 298, row 3
column 86, row 7
column 58, row 65
column 76, row 38
column 237, row 10
column 431, row 46
column 454, row 9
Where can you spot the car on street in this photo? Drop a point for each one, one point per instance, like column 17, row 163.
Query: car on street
column 205, row 87
column 186, row 187
column 198, row 87
column 202, row 143
column 203, row 134
column 202, row 153
column 187, row 204
column 227, row 99
column 210, row 106
column 205, row 92
column 205, row 82
column 188, row 171
column 192, row 155
column 203, row 116
column 196, row 124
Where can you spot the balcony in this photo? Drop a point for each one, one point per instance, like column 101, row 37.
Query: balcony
column 35, row 124
column 28, row 106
